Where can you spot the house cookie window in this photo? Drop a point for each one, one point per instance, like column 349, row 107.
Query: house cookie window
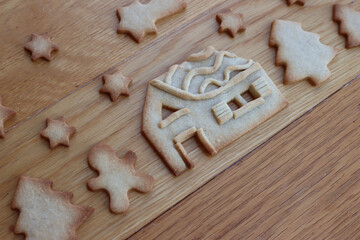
column 243, row 103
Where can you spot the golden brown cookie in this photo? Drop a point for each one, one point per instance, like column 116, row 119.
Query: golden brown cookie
column 301, row 52
column 300, row 2
column 117, row 176
column 139, row 19
column 349, row 24
column 41, row 46
column 58, row 132
column 45, row 213
column 215, row 96
column 115, row 85
column 231, row 23
column 5, row 114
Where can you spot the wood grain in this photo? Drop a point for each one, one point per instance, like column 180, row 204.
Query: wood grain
column 118, row 124
column 85, row 32
column 303, row 184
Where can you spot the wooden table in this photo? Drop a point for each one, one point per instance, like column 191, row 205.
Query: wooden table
column 295, row 177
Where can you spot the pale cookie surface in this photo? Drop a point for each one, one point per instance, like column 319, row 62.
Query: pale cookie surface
column 115, row 85
column 231, row 23
column 301, row 52
column 117, row 176
column 5, row 114
column 349, row 24
column 41, row 46
column 139, row 19
column 203, row 92
column 58, row 132
column 300, row 2
column 45, row 213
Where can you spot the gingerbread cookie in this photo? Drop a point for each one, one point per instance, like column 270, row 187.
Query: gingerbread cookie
column 139, row 19
column 45, row 213
column 116, row 85
column 5, row 115
column 300, row 2
column 215, row 96
column 117, row 176
column 231, row 23
column 41, row 46
column 58, row 132
column 301, row 52
column 349, row 24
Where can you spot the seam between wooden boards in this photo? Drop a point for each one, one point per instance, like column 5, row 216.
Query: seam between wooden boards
column 277, row 79
column 117, row 65
column 251, row 151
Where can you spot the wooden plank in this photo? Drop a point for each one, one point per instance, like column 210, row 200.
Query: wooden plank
column 118, row 124
column 304, row 184
column 85, row 32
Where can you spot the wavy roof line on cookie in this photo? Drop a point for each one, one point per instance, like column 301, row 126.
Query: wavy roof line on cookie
column 165, row 83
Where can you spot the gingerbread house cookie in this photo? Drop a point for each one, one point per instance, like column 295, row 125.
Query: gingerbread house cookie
column 202, row 93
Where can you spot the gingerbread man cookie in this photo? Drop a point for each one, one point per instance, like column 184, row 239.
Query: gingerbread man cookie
column 117, row 176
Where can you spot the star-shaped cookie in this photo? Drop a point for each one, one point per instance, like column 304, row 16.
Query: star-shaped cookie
column 139, row 19
column 45, row 213
column 5, row 114
column 57, row 132
column 117, row 176
column 301, row 52
column 115, row 85
column 230, row 22
column 349, row 24
column 41, row 46
column 300, row 2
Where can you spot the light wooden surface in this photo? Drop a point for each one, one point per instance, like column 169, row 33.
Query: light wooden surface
column 85, row 32
column 118, row 124
column 303, row 184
